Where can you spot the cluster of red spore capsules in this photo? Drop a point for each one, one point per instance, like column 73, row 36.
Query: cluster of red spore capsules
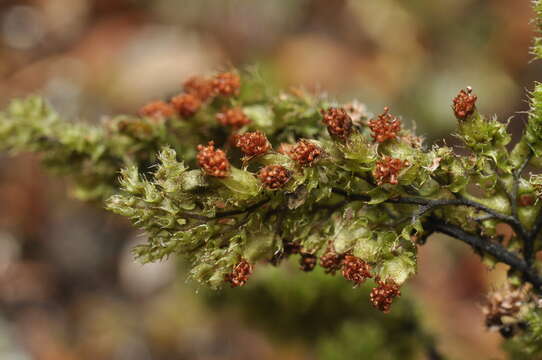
column 305, row 153
column 353, row 269
column 197, row 91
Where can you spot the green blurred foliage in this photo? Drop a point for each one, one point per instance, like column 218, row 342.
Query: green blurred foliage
column 327, row 314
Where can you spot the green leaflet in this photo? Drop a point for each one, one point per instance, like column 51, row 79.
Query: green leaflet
column 242, row 183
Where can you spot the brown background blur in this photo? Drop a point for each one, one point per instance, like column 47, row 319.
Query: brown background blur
column 68, row 286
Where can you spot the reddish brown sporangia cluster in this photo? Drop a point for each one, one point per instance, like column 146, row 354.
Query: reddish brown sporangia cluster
column 226, row 84
column 387, row 170
column 383, row 294
column 252, row 143
column 464, row 104
column 355, row 269
column 307, row 262
column 285, row 149
column 157, row 109
column 186, row 104
column 339, row 123
column 331, row 261
column 305, row 153
column 274, row 176
column 199, row 87
column 234, row 117
column 240, row 274
column 196, row 91
column 213, row 161
column 385, row 126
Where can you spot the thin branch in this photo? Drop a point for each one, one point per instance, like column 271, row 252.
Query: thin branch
column 428, row 205
column 525, row 163
column 484, row 218
column 515, row 189
column 489, row 247
column 431, row 204
column 512, row 198
column 513, row 221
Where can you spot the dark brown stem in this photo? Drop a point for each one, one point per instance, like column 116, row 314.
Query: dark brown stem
column 428, row 205
column 482, row 244
column 487, row 246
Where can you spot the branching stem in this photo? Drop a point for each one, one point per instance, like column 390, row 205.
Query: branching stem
column 492, row 248
column 524, row 266
column 428, row 205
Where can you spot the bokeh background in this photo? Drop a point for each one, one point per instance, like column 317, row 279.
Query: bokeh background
column 69, row 288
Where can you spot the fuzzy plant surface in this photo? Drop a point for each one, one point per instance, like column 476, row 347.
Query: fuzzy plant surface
column 232, row 175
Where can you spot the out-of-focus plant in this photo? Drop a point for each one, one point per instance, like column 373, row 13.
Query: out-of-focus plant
column 283, row 173
column 327, row 315
column 94, row 155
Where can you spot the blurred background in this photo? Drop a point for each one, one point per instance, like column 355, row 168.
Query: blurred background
column 69, row 288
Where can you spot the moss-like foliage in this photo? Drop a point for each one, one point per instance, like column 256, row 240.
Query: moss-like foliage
column 537, row 46
column 359, row 196
column 94, row 155
column 234, row 173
